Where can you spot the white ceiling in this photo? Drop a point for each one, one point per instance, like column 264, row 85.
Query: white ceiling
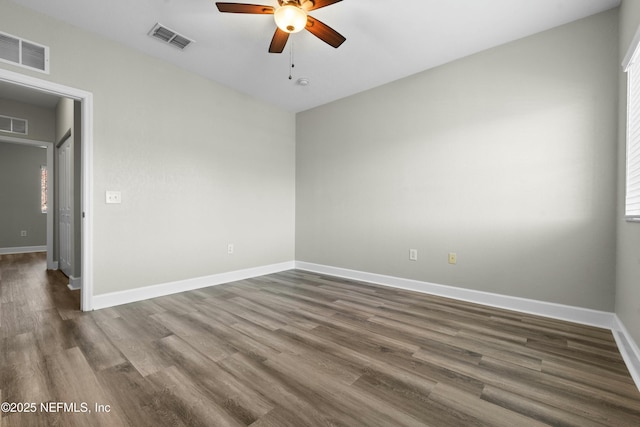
column 386, row 39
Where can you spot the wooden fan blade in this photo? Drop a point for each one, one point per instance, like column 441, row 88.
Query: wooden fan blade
column 279, row 41
column 245, row 8
column 317, row 4
column 324, row 32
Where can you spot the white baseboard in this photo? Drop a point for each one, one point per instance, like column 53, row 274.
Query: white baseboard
column 75, row 283
column 569, row 313
column 627, row 346
column 628, row 349
column 22, row 250
column 147, row 292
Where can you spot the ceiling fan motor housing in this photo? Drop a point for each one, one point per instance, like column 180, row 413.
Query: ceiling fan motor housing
column 290, row 17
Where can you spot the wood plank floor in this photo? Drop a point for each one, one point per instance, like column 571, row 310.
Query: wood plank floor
column 298, row 349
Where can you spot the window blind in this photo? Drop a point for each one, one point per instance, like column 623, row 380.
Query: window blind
column 632, row 67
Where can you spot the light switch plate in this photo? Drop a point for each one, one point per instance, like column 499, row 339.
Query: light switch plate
column 114, row 197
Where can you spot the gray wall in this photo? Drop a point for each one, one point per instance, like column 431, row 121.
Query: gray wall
column 507, row 158
column 20, row 196
column 198, row 164
column 628, row 271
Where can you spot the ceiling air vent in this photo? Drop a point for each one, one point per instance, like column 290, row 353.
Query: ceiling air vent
column 169, row 36
column 17, row 51
column 13, row 125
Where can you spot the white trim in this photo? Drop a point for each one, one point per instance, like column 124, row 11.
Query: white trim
column 86, row 185
column 601, row 319
column 22, row 250
column 154, row 291
column 75, row 283
column 626, row 345
column 86, row 98
column 628, row 349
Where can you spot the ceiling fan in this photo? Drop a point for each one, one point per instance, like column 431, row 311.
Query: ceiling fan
column 291, row 17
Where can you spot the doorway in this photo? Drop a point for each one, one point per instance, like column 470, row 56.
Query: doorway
column 27, row 203
column 86, row 161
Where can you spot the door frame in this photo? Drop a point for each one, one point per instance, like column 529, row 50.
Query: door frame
column 86, row 181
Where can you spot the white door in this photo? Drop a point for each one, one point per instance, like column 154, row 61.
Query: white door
column 65, row 206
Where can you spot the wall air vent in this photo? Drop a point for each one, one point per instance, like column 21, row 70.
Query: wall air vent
column 168, row 36
column 17, row 51
column 13, row 125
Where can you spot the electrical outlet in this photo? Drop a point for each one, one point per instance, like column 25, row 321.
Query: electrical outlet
column 413, row 254
column 23, row 233
column 230, row 248
column 453, row 258
column 113, row 197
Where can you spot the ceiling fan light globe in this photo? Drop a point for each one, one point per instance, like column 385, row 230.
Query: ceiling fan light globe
column 290, row 19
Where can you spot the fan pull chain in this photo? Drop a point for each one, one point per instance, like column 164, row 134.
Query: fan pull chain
column 291, row 64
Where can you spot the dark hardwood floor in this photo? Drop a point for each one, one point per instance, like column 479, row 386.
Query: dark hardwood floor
column 297, row 349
